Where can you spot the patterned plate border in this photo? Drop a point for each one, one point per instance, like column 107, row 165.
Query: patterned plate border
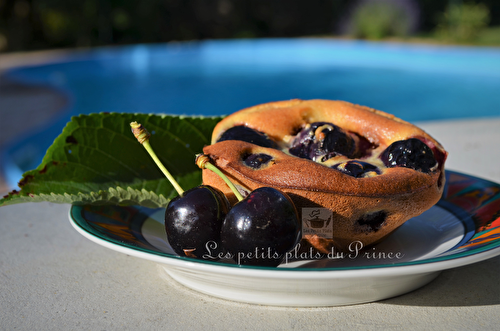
column 474, row 201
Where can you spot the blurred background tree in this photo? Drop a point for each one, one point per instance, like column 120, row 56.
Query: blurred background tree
column 463, row 22
column 378, row 19
column 47, row 24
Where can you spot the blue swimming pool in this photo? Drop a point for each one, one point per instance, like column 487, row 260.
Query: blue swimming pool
column 414, row 82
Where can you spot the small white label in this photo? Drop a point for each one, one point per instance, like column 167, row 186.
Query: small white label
column 317, row 221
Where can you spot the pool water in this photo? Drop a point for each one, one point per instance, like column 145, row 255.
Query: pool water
column 218, row 77
column 414, row 82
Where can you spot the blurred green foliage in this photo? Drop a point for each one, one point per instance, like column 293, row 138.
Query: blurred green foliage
column 45, row 24
column 379, row 19
column 489, row 36
column 86, row 23
column 463, row 22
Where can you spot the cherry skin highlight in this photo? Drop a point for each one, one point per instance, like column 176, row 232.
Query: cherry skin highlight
column 262, row 228
column 194, row 220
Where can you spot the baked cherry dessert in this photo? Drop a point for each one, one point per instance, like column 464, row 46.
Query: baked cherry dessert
column 372, row 170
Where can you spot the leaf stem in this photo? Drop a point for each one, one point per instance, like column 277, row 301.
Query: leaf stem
column 142, row 135
column 203, row 162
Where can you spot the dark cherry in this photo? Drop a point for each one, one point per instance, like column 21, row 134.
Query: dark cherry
column 356, row 169
column 411, row 153
column 363, row 147
column 372, row 222
column 321, row 141
column 262, row 228
column 194, row 220
column 256, row 160
column 248, row 135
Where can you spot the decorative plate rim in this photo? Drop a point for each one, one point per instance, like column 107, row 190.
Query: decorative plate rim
column 465, row 196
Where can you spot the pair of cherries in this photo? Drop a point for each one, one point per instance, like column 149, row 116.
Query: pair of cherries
column 200, row 223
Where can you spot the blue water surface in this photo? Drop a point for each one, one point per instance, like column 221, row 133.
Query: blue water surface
column 413, row 82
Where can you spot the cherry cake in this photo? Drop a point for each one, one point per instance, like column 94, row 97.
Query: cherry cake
column 373, row 171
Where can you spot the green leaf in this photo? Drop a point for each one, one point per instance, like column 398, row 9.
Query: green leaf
column 97, row 160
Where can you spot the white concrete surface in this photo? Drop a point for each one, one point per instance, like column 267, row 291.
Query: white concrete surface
column 51, row 278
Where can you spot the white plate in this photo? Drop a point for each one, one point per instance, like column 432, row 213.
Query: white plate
column 463, row 228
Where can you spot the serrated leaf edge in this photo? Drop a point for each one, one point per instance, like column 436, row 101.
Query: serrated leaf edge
column 114, row 195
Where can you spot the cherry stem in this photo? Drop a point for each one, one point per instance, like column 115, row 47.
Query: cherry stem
column 142, row 135
column 203, row 161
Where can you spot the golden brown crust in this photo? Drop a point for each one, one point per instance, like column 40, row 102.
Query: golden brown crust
column 400, row 193
column 280, row 119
